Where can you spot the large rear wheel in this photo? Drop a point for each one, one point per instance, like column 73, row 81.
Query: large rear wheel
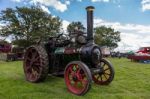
column 106, row 75
column 77, row 77
column 35, row 64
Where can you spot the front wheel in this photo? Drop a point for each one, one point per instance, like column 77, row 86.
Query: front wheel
column 77, row 77
column 106, row 75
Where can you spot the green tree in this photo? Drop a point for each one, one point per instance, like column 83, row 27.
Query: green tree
column 26, row 24
column 75, row 26
column 107, row 37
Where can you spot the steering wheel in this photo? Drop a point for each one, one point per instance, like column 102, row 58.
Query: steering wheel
column 61, row 38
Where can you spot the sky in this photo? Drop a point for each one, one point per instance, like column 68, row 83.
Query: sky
column 130, row 17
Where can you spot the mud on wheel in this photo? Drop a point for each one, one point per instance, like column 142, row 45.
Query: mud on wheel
column 35, row 64
column 106, row 76
column 77, row 78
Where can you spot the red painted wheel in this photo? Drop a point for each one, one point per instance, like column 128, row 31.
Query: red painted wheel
column 77, row 78
column 106, row 76
column 35, row 64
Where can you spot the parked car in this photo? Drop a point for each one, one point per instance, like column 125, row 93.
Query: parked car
column 144, row 50
column 10, row 53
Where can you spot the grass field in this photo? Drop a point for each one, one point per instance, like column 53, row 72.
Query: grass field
column 132, row 81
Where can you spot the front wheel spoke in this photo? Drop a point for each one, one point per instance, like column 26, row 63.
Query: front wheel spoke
column 103, row 65
column 70, row 77
column 84, row 82
column 71, row 72
column 79, row 75
column 106, row 69
column 98, row 77
column 107, row 73
column 105, row 76
column 76, row 83
column 78, row 70
column 101, row 78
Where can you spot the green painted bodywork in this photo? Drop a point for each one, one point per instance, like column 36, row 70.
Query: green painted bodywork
column 63, row 58
column 72, row 57
column 60, row 50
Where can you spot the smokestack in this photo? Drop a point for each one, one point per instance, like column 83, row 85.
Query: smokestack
column 90, row 10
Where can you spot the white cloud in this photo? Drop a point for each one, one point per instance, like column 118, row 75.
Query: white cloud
column 145, row 29
column 44, row 8
column 53, row 3
column 145, row 5
column 65, row 23
column 57, row 4
column 133, row 36
column 100, row 0
column 16, row 0
column 67, row 2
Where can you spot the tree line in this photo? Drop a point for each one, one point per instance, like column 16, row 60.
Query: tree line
column 27, row 24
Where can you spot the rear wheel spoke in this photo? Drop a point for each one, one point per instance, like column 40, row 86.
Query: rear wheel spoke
column 37, row 64
column 28, row 59
column 31, row 76
column 28, row 68
column 36, row 58
column 36, row 69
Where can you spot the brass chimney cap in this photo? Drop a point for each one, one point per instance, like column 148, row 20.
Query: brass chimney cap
column 90, row 8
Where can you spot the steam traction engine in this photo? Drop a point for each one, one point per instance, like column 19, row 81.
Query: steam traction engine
column 76, row 56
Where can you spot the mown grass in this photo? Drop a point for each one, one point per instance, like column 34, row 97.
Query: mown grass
column 132, row 81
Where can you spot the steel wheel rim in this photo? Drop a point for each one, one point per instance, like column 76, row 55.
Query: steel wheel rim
column 32, row 64
column 76, row 81
column 103, row 77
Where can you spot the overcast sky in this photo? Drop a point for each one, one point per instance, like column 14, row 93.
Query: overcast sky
column 130, row 17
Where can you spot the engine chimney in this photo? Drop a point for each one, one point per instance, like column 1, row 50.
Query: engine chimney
column 90, row 37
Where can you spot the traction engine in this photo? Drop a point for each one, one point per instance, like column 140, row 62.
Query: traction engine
column 77, row 57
